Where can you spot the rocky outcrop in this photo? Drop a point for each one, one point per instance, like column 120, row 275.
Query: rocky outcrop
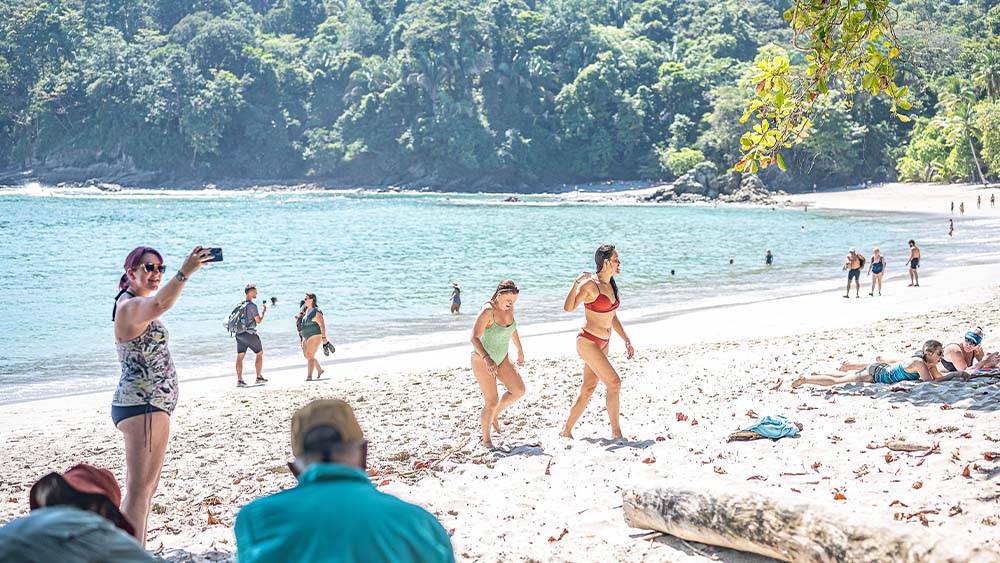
column 702, row 184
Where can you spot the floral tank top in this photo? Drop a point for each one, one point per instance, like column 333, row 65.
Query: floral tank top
column 148, row 374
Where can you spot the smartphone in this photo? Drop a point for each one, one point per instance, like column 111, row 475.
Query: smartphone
column 216, row 254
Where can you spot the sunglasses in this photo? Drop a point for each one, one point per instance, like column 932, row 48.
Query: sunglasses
column 151, row 267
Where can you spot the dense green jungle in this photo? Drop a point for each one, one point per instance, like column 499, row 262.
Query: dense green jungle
column 465, row 94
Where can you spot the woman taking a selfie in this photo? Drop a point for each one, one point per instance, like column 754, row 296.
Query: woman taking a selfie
column 147, row 391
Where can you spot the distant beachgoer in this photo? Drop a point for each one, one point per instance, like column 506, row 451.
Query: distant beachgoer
column 964, row 354
column 961, row 208
column 853, row 264
column 922, row 366
column 313, row 333
column 247, row 337
column 914, row 262
column 671, row 272
column 876, row 269
column 803, row 228
column 74, row 518
column 274, row 301
column 979, row 202
column 335, row 512
column 993, row 200
column 731, row 260
column 495, row 327
column 147, row 391
column 806, row 208
column 768, row 257
column 953, row 208
column 600, row 299
column 456, row 297
column 951, row 227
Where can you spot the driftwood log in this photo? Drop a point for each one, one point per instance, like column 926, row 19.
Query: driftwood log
column 786, row 528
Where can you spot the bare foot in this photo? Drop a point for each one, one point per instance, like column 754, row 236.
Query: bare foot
column 846, row 366
column 798, row 383
column 488, row 445
column 320, row 374
column 566, row 434
column 617, row 435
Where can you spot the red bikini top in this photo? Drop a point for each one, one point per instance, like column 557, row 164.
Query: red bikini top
column 602, row 304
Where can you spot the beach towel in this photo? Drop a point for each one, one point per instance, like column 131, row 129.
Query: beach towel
column 770, row 426
column 992, row 372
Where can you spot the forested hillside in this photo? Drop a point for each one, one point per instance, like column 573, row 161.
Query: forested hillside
column 466, row 93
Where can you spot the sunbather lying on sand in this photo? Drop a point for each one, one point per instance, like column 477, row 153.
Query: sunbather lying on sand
column 921, row 366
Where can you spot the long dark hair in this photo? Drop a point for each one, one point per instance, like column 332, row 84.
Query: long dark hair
column 505, row 286
column 602, row 255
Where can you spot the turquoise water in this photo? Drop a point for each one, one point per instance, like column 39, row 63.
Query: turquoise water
column 381, row 265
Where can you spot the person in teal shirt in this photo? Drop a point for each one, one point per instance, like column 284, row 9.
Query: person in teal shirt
column 335, row 514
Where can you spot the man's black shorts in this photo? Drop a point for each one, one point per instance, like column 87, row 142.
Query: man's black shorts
column 853, row 274
column 246, row 340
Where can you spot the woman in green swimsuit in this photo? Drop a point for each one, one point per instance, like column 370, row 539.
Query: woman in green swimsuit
column 313, row 333
column 491, row 335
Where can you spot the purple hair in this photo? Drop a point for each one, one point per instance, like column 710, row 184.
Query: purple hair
column 132, row 262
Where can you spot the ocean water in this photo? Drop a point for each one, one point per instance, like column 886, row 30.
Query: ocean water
column 382, row 264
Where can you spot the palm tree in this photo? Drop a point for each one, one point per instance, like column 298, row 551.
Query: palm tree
column 986, row 74
column 959, row 118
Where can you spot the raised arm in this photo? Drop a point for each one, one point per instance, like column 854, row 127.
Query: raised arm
column 483, row 320
column 140, row 311
column 583, row 291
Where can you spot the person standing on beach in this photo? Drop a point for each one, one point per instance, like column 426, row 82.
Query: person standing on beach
column 953, row 208
column 768, row 257
column 993, row 200
column 247, row 337
column 147, row 391
column 313, row 334
column 456, row 298
column 495, row 327
column 914, row 261
column 979, row 202
column 853, row 265
column 600, row 299
column 335, row 512
column 876, row 269
column 961, row 208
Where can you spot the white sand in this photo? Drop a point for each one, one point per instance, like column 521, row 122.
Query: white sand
column 229, row 446
column 911, row 198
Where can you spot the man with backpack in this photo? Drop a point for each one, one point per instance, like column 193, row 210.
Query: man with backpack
column 246, row 320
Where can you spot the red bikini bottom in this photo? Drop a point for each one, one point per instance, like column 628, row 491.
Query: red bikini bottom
column 602, row 342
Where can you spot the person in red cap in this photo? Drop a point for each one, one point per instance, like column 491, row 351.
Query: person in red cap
column 74, row 518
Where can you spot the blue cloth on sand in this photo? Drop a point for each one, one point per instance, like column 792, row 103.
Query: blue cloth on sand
column 773, row 426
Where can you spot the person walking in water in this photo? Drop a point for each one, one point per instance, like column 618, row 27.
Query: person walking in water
column 914, row 261
column 599, row 295
column 456, row 297
column 247, row 337
column 951, row 227
column 147, row 391
column 313, row 334
column 876, row 269
column 768, row 257
column 853, row 265
column 495, row 327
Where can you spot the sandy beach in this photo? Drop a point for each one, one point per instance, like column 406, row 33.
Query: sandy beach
column 696, row 378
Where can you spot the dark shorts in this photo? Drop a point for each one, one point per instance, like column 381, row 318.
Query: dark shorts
column 879, row 372
column 246, row 340
column 914, row 262
column 853, row 274
column 119, row 414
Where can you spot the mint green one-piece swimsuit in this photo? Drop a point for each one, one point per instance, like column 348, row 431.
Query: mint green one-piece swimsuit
column 496, row 340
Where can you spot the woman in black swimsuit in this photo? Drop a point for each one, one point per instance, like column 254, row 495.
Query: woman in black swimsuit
column 875, row 269
column 967, row 354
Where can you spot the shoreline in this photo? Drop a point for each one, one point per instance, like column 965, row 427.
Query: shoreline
column 699, row 375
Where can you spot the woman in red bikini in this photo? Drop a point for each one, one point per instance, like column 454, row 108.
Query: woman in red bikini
column 599, row 296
